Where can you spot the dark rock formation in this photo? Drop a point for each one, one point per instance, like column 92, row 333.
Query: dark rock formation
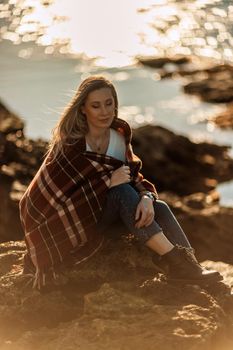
column 213, row 84
column 20, row 158
column 176, row 164
column 160, row 62
column 210, row 81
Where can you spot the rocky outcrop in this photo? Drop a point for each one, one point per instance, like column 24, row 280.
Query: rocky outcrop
column 213, row 84
column 115, row 300
column 176, row 164
column 210, row 81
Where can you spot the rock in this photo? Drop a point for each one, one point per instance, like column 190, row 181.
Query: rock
column 211, row 81
column 174, row 163
column 9, row 122
column 129, row 308
column 178, row 65
column 210, row 228
column 225, row 119
column 10, row 227
column 207, row 225
column 214, row 85
column 160, row 62
column 20, row 159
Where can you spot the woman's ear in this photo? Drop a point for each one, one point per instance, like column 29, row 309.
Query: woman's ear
column 82, row 110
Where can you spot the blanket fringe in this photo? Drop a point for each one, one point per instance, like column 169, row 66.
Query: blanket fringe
column 39, row 280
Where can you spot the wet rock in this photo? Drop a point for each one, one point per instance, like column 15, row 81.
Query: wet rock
column 174, row 163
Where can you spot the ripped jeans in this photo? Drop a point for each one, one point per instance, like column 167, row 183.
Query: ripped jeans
column 120, row 206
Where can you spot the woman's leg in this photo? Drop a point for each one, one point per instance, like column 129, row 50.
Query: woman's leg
column 122, row 202
column 169, row 224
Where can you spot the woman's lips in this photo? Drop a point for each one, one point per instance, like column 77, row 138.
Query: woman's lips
column 104, row 120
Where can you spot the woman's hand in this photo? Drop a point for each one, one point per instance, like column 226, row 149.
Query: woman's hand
column 145, row 212
column 120, row 176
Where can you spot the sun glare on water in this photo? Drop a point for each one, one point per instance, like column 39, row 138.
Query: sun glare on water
column 115, row 32
column 105, row 29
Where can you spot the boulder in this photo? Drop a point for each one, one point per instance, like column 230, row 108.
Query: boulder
column 174, row 163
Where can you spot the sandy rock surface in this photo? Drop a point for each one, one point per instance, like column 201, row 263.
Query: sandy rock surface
column 116, row 300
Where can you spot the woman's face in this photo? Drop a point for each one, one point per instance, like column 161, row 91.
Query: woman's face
column 99, row 108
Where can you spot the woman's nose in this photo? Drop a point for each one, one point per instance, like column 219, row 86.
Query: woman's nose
column 104, row 110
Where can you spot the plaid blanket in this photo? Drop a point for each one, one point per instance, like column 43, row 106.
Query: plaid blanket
column 61, row 207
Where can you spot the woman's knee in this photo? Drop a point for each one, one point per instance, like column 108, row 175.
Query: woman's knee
column 124, row 193
column 123, row 190
column 161, row 206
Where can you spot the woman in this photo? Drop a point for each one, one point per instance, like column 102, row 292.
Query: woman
column 89, row 179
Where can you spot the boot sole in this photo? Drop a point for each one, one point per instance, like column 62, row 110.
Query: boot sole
column 197, row 281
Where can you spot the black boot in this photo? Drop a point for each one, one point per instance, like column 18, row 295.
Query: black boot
column 183, row 266
column 161, row 265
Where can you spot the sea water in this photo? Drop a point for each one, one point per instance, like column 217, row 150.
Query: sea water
column 48, row 48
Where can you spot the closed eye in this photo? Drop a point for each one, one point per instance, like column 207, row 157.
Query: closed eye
column 98, row 106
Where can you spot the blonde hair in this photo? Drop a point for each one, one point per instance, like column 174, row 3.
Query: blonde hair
column 72, row 124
